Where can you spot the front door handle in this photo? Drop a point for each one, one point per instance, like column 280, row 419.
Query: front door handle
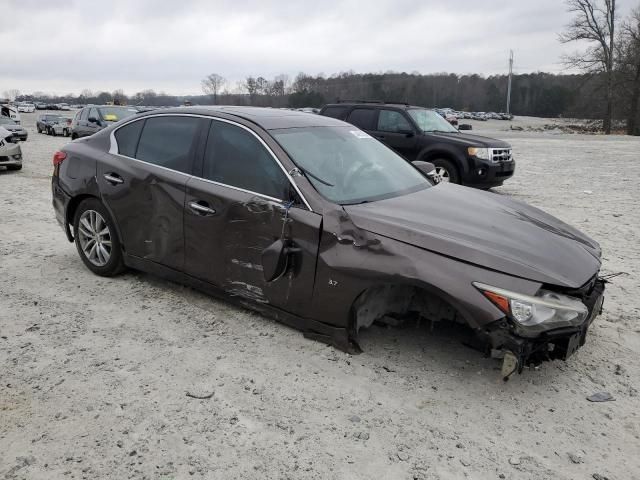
column 113, row 178
column 201, row 208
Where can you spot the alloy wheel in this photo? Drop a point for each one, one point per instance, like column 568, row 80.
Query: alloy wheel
column 443, row 173
column 95, row 238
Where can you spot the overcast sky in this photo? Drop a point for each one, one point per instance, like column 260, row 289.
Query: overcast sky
column 170, row 45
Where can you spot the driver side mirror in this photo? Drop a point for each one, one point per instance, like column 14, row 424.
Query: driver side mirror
column 428, row 170
column 94, row 120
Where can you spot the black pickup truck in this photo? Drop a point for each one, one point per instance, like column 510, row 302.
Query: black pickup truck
column 418, row 133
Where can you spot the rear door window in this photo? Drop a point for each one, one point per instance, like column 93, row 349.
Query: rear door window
column 364, row 118
column 393, row 121
column 235, row 157
column 127, row 138
column 168, row 142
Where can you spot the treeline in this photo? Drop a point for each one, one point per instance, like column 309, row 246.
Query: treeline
column 534, row 94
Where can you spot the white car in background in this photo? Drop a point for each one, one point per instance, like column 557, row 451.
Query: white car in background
column 26, row 107
column 11, row 111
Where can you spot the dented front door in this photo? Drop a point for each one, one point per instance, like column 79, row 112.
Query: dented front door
column 226, row 231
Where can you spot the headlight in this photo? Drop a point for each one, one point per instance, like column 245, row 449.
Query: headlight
column 479, row 152
column 546, row 310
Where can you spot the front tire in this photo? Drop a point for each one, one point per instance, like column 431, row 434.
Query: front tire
column 447, row 170
column 96, row 239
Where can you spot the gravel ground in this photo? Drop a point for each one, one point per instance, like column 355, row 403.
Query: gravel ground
column 95, row 372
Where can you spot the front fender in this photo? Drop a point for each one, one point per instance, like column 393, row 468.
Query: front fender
column 437, row 150
column 352, row 260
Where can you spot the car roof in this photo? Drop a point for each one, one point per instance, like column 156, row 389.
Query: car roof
column 403, row 106
column 267, row 118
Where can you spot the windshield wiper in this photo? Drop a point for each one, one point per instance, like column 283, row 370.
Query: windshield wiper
column 324, row 182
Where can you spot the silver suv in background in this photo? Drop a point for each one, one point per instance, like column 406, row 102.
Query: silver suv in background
column 93, row 118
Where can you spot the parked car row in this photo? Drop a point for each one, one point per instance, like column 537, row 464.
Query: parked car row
column 482, row 116
column 53, row 124
column 52, row 106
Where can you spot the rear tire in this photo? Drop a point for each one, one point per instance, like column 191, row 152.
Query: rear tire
column 447, row 170
column 96, row 238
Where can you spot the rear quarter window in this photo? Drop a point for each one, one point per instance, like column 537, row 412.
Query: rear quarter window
column 364, row 118
column 127, row 138
column 335, row 112
column 168, row 141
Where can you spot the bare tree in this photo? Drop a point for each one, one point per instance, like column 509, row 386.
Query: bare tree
column 86, row 93
column 212, row 84
column 629, row 67
column 119, row 97
column 594, row 22
column 11, row 94
column 262, row 86
column 251, row 86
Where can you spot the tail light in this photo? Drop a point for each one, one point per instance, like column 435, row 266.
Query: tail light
column 58, row 158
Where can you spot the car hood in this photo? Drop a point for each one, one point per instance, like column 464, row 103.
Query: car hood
column 469, row 140
column 485, row 229
column 13, row 128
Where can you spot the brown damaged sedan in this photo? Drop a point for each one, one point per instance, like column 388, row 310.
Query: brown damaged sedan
column 311, row 221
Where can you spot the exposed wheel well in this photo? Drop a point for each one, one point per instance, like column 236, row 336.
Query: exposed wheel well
column 388, row 303
column 71, row 212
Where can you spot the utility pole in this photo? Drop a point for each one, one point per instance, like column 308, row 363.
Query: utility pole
column 509, row 84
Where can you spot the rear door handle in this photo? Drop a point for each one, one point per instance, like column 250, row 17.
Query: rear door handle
column 113, row 178
column 202, row 208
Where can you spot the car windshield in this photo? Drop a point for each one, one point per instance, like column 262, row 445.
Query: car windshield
column 348, row 166
column 430, row 121
column 7, row 121
column 113, row 114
